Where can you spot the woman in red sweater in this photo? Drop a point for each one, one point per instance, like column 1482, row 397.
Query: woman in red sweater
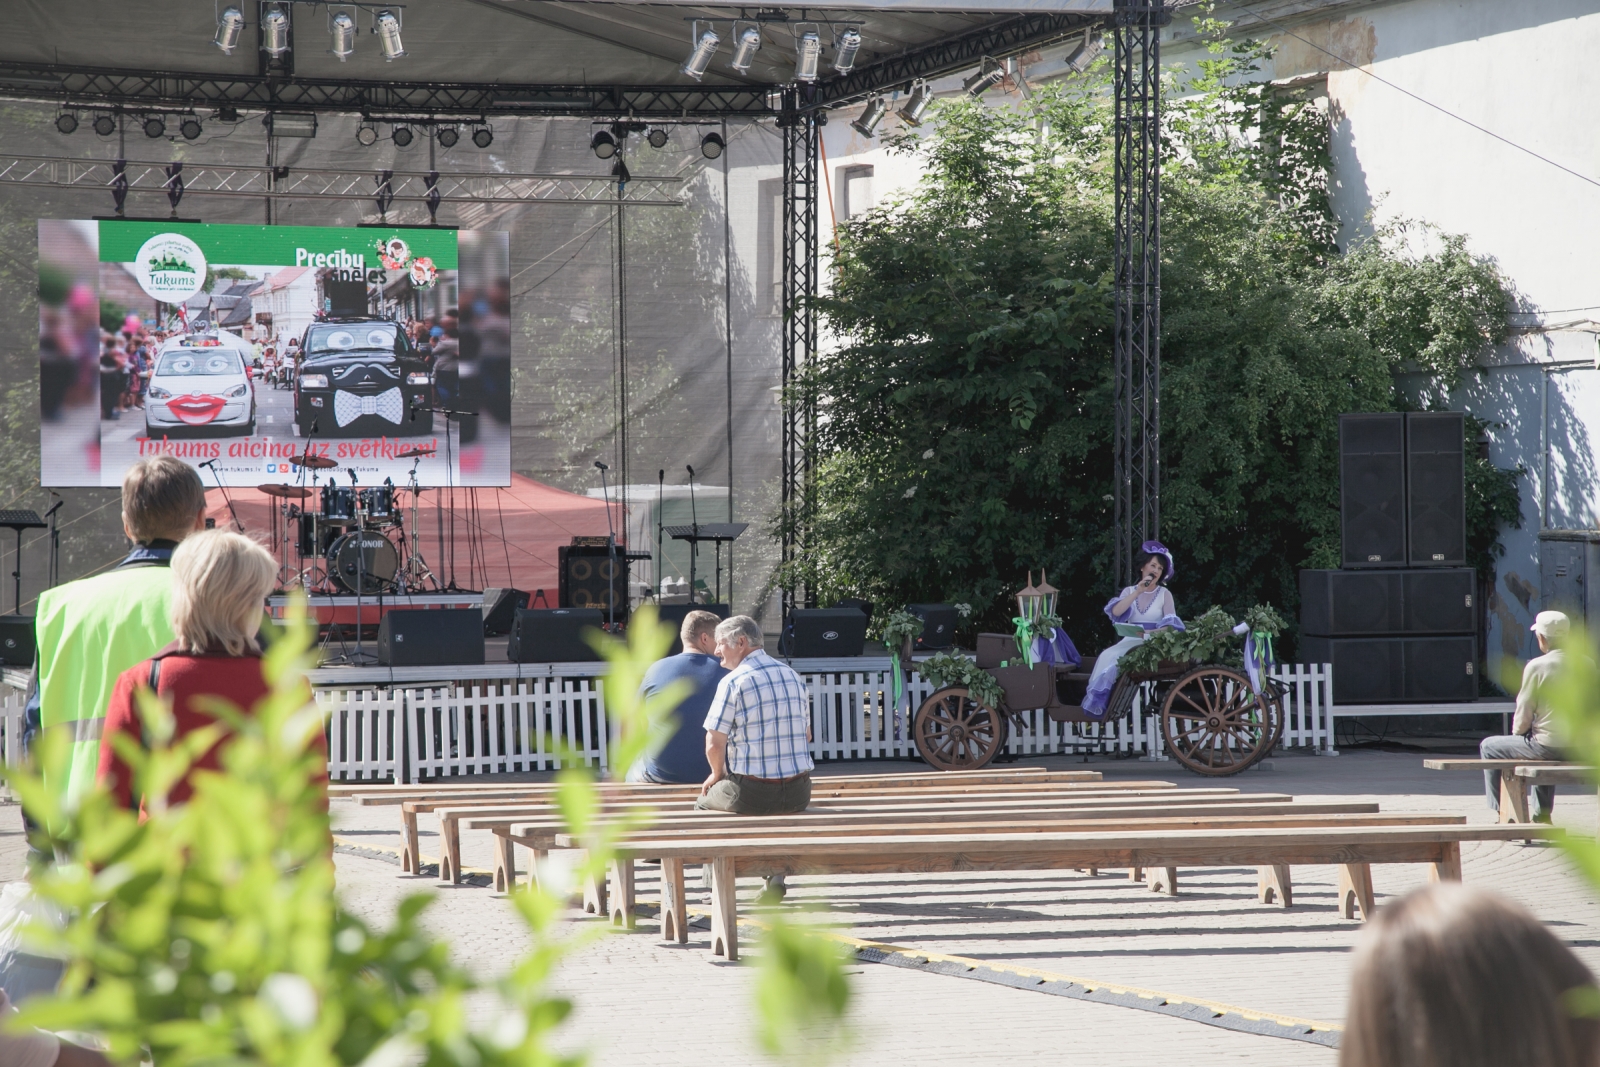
column 219, row 583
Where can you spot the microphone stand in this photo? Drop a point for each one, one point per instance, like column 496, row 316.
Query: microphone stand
column 611, row 553
column 661, row 546
column 694, row 545
column 226, row 499
column 54, row 576
column 360, row 656
column 449, row 479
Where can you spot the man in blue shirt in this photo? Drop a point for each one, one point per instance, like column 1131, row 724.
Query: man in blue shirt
column 682, row 760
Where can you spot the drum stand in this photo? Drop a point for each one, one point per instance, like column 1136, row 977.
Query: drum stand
column 360, row 657
column 415, row 576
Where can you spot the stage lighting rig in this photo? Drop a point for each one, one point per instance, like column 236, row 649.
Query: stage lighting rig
column 66, row 122
column 846, row 46
column 747, row 42
column 342, row 29
column 402, row 136
column 366, row 135
column 104, row 125
column 154, row 126
column 705, row 46
column 604, row 145
column 292, row 124
column 1087, row 51
column 230, row 26
column 712, row 145
column 807, row 55
column 448, row 136
column 190, row 128
column 275, row 31
column 988, row 76
column 483, row 137
column 866, row 124
column 917, row 101
column 387, row 27
column 658, row 137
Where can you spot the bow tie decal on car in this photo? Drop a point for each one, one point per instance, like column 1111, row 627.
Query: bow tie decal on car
column 348, row 407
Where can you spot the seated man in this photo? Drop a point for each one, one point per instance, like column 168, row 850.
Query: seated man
column 682, row 760
column 1531, row 737
column 757, row 730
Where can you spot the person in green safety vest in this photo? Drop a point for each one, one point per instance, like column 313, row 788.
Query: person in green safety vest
column 91, row 630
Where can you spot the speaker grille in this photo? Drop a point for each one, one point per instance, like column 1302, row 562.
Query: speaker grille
column 1436, row 489
column 1372, row 489
column 1440, row 601
column 1440, row 668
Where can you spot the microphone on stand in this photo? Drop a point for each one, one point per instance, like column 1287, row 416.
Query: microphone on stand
column 602, row 466
column 352, row 471
column 207, row 463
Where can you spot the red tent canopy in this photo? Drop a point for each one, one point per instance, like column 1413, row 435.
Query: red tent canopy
column 492, row 537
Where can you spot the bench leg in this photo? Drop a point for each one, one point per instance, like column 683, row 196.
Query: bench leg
column 505, row 864
column 1513, row 797
column 411, row 843
column 1135, row 874
column 594, row 894
column 1273, row 885
column 1448, row 868
column 1355, row 891
column 450, row 835
column 724, row 910
column 1092, row 872
column 622, row 893
column 535, row 858
column 674, row 903
column 1162, row 880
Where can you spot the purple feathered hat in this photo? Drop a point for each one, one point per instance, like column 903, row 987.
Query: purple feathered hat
column 1159, row 549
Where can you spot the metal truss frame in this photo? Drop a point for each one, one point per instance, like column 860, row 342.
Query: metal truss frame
column 801, row 195
column 1136, row 466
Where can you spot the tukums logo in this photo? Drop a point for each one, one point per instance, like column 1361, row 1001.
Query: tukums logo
column 170, row 267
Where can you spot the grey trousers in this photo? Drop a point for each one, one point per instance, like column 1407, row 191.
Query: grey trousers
column 752, row 796
column 1515, row 746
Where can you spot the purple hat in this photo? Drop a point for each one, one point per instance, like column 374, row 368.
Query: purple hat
column 1161, row 550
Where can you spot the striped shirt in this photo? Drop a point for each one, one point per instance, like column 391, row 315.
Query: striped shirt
column 763, row 707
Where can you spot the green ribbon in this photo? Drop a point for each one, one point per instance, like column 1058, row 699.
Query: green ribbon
column 1024, row 638
column 896, row 684
column 1264, row 654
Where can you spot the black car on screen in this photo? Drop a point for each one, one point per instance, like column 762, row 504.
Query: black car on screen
column 361, row 378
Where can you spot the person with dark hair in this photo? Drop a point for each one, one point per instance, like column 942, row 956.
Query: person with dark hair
column 1454, row 977
column 1139, row 609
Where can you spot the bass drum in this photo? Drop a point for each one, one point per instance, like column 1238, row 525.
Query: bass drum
column 363, row 561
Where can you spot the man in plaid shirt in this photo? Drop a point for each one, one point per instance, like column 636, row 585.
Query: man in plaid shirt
column 757, row 730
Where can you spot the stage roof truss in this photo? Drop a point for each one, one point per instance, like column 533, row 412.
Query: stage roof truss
column 311, row 184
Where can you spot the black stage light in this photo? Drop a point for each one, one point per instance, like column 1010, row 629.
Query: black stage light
column 657, row 137
column 227, row 113
column 711, row 145
column 190, row 128
column 66, row 122
column 105, row 125
column 483, row 137
column 448, row 136
column 604, row 145
column 155, row 126
column 402, row 136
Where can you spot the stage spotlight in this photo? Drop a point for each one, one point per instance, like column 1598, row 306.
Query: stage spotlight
column 275, row 32
column 712, row 146
column 190, row 128
column 483, row 137
column 604, row 145
column 230, row 25
column 849, row 43
column 916, row 104
column 448, row 136
column 366, row 135
column 745, row 49
column 227, row 113
column 388, row 26
column 66, row 122
column 343, row 30
column 401, row 136
column 154, row 126
column 657, row 137
column 866, row 124
column 987, row 77
column 704, row 48
column 289, row 124
column 105, row 125
column 807, row 54
column 1086, row 53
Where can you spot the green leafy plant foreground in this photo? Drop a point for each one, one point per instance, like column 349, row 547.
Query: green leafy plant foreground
column 951, row 668
column 1208, row 639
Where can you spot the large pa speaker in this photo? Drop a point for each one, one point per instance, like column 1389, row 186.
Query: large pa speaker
column 676, row 613
column 1397, row 670
column 589, row 577
column 554, row 635
column 1372, row 490
column 1436, row 494
column 818, row 632
column 430, row 637
column 1439, row 601
column 16, row 640
column 1368, row 602
column 499, row 610
column 938, row 625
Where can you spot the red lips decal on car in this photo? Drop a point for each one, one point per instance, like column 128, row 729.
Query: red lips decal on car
column 196, row 409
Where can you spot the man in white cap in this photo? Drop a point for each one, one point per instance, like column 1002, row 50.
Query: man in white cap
column 1532, row 736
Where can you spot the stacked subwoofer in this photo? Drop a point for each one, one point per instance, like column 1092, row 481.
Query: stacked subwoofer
column 1398, row 621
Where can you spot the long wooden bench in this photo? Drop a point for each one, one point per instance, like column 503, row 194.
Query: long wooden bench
column 1513, row 784
column 1354, row 849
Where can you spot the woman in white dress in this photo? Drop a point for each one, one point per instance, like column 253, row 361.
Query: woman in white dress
column 1147, row 605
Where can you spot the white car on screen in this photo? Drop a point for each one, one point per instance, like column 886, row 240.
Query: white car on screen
column 200, row 386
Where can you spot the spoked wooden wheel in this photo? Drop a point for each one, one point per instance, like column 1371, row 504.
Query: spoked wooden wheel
column 953, row 732
column 1214, row 724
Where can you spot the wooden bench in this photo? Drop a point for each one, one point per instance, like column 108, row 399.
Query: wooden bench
column 1513, row 785
column 1354, row 849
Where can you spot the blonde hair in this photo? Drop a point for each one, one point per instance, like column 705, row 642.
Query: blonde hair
column 219, row 580
column 1455, row 977
column 161, row 496
column 694, row 624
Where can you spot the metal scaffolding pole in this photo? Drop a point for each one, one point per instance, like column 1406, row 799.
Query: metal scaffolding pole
column 800, row 204
column 1136, row 469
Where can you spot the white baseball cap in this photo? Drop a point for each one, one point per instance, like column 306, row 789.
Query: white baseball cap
column 1551, row 624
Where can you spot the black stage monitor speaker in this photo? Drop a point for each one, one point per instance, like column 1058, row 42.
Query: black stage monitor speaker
column 554, row 635
column 1436, row 494
column 1397, row 670
column 1372, row 490
column 16, row 640
column 938, row 625
column 430, row 637
column 1439, row 601
column 863, row 606
column 589, row 577
column 675, row 614
column 499, row 610
column 818, row 632
column 1356, row 603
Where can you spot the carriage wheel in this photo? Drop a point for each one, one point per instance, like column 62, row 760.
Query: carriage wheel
column 1214, row 724
column 1272, row 697
column 953, row 732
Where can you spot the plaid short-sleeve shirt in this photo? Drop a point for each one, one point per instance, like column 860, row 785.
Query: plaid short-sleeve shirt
column 763, row 707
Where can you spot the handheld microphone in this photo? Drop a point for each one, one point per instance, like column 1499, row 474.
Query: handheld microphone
column 602, row 466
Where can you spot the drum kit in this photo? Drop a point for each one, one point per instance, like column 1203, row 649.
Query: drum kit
column 348, row 543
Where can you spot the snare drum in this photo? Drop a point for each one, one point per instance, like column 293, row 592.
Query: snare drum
column 377, row 505
column 338, row 503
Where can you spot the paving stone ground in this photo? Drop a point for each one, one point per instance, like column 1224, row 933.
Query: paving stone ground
column 640, row 1001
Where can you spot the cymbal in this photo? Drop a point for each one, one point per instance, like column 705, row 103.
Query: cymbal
column 316, row 463
column 415, row 453
column 290, row 492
